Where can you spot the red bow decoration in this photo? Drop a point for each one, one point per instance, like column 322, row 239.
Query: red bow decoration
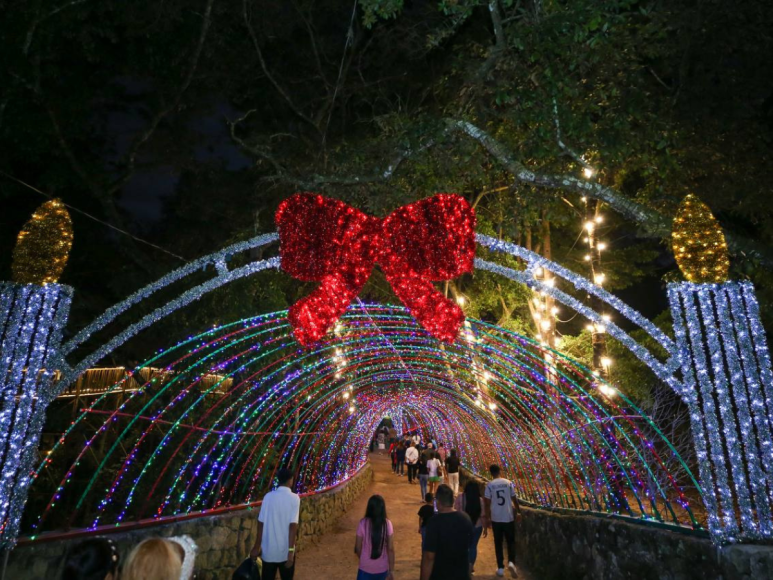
column 324, row 240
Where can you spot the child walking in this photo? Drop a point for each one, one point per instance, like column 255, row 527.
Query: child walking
column 425, row 513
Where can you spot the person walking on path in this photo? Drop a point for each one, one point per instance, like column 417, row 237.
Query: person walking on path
column 442, row 453
column 447, row 541
column 452, row 471
column 421, row 468
column 471, row 503
column 411, row 459
column 500, row 500
column 425, row 513
column 375, row 545
column 278, row 529
column 401, row 458
column 435, row 470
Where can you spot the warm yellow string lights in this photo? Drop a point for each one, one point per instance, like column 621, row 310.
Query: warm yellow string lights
column 602, row 363
column 698, row 243
column 43, row 245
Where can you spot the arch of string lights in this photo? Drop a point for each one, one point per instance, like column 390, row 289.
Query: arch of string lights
column 183, row 444
column 177, row 445
column 219, row 262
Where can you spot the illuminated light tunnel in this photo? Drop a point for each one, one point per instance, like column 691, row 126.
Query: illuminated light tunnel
column 181, row 445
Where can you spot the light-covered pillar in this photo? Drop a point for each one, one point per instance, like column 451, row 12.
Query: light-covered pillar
column 727, row 375
column 33, row 312
column 728, row 383
column 32, row 318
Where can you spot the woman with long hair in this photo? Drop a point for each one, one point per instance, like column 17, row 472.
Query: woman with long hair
column 471, row 503
column 435, row 471
column 375, row 543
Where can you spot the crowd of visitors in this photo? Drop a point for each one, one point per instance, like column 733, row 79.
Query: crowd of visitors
column 450, row 523
column 495, row 509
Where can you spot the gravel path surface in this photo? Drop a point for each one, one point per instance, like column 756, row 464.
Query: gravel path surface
column 334, row 558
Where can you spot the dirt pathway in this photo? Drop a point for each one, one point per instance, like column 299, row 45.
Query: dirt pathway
column 334, row 558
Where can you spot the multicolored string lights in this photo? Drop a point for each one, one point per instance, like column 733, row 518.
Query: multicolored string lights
column 171, row 443
column 205, row 425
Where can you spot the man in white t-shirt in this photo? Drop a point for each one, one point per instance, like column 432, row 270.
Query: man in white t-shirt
column 278, row 529
column 412, row 460
column 500, row 501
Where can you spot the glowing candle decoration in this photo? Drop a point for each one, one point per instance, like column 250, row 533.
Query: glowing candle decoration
column 698, row 243
column 43, row 245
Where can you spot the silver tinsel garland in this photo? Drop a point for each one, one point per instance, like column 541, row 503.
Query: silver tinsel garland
column 33, row 318
column 715, row 326
column 720, row 346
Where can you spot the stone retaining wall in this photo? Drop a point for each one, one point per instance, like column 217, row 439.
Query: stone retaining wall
column 577, row 546
column 223, row 540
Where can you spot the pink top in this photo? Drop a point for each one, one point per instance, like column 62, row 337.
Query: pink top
column 460, row 503
column 380, row 564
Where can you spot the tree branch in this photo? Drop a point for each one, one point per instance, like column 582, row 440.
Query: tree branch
column 316, row 180
column 131, row 157
column 315, row 49
column 652, row 222
column 35, row 23
column 255, row 150
column 496, row 21
column 105, row 195
column 132, row 252
column 25, row 48
column 563, row 146
column 295, row 109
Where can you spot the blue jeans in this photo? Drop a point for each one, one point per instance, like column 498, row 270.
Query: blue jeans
column 472, row 551
column 423, row 479
column 368, row 576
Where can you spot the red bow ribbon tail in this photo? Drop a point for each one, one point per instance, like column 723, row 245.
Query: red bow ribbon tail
column 311, row 317
column 324, row 240
column 441, row 317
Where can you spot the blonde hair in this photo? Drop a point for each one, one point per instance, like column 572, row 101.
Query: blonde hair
column 153, row 559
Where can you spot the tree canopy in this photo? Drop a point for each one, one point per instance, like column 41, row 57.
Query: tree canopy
column 183, row 124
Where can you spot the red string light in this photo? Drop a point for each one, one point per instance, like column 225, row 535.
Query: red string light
column 325, row 240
